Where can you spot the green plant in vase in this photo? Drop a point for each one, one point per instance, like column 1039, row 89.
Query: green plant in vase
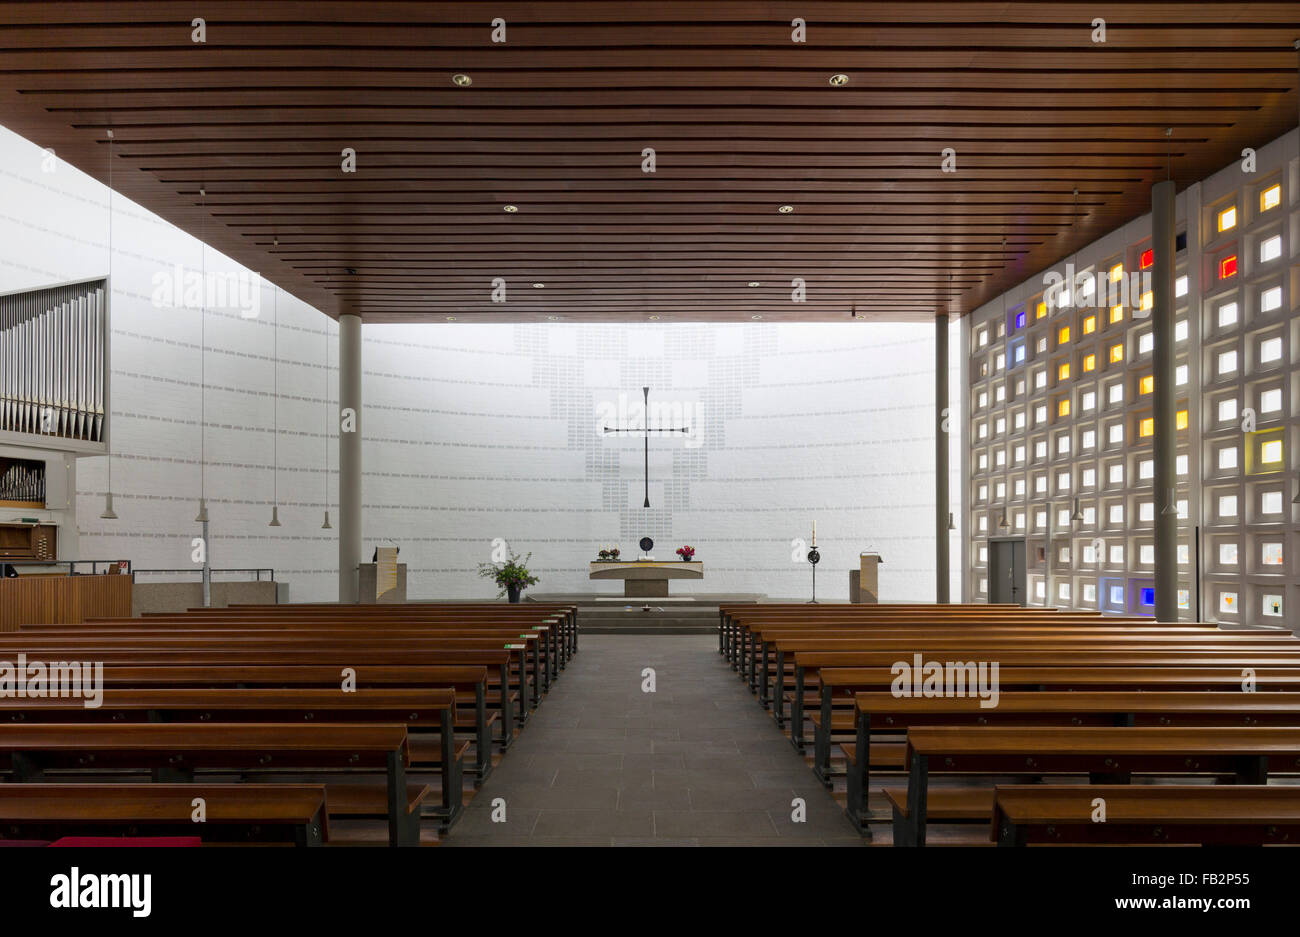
column 512, row 576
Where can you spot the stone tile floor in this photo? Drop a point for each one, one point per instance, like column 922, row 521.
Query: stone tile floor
column 697, row 762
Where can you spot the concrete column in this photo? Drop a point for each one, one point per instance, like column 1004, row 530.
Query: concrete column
column 942, row 421
column 1163, row 235
column 349, row 456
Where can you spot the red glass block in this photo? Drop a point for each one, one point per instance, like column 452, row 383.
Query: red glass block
column 1228, row 267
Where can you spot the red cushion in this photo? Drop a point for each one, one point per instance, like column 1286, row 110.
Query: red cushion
column 24, row 842
column 128, row 841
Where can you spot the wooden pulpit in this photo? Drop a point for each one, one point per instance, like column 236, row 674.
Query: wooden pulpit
column 864, row 582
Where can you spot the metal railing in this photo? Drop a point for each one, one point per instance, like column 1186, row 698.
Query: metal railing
column 77, row 567
column 256, row 573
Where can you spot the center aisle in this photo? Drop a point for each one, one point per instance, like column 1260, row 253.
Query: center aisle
column 697, row 762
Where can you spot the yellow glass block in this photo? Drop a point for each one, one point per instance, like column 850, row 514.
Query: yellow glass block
column 1116, row 273
column 1147, row 384
column 1063, row 408
column 1270, row 197
column 1089, row 362
column 1148, row 300
column 1228, row 218
column 1182, row 419
column 1089, row 325
column 1063, row 372
column 1147, row 427
column 1116, row 314
column 1063, row 336
column 1117, row 353
column 1040, row 310
column 1271, row 452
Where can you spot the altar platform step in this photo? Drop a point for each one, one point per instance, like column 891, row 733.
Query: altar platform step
column 677, row 614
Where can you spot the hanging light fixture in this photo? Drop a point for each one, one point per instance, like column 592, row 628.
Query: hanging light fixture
column 275, row 404
column 108, row 513
column 202, row 516
column 1002, row 521
column 326, row 434
column 1171, row 507
column 1076, row 515
column 952, row 525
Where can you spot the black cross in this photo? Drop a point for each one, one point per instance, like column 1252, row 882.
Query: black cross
column 647, row 429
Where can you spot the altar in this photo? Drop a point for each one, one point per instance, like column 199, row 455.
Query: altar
column 646, row 578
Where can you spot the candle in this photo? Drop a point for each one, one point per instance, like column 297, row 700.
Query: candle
column 814, row 542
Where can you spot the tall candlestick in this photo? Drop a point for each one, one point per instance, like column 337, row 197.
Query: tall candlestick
column 814, row 540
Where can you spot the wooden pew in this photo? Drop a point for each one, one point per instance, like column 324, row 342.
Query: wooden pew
column 429, row 710
column 1246, row 754
column 1209, row 816
column 293, row 813
column 174, row 752
column 882, row 712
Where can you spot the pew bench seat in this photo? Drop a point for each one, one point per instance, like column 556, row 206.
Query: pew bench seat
column 945, row 805
column 370, row 802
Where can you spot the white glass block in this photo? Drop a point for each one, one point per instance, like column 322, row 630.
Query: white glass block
column 1089, row 439
column 983, row 431
column 1001, row 393
column 1146, row 342
column 1062, row 445
column 1270, row 502
column 1180, row 375
column 1271, row 606
column 1180, row 286
column 1227, row 410
column 983, row 525
column 1040, row 520
column 1089, row 592
column 982, row 401
column 1270, row 248
column 1228, row 602
column 1040, row 416
column 1090, row 516
column 1270, row 401
column 1270, row 350
column 1115, row 433
column 999, row 361
column 1227, row 505
column 983, row 554
column 1020, row 487
column 1019, row 520
column 1182, row 509
column 1270, row 452
column 1000, row 426
column 1000, row 458
column 1063, row 591
column 1270, row 553
column 1146, row 469
column 1088, row 478
column 1116, row 513
column 1115, row 474
column 1227, row 314
column 1147, row 554
column 982, row 493
column 1117, row 595
column 1180, row 465
column 1000, row 492
column 1040, row 485
column 983, row 461
column 1041, row 345
column 1115, row 393
column 982, row 338
column 1087, row 401
column 1062, row 481
column 1146, row 511
column 1019, row 420
column 1270, row 299
column 1040, row 589
column 1228, row 362
column 1089, row 553
column 1117, row 554
column 1040, row 380
column 1227, row 554
column 1063, row 521
column 1228, row 457
column 1040, row 449
column 1184, row 598
column 1182, row 554
column 1020, row 453
column 1180, row 330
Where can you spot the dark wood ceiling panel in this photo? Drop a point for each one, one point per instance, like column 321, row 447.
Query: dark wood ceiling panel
column 1058, row 140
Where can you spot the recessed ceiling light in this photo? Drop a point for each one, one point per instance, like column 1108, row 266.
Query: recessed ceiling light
column 552, row 318
column 463, row 81
column 785, row 209
column 510, row 208
column 754, row 283
column 756, row 317
column 839, row 80
column 654, row 318
column 539, row 286
column 451, row 318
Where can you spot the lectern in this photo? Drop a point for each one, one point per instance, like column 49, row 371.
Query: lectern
column 864, row 582
column 382, row 582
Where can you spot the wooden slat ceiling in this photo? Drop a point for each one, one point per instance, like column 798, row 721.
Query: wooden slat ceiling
column 742, row 119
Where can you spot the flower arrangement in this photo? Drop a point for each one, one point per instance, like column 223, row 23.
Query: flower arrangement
column 686, row 553
column 608, row 556
column 511, row 576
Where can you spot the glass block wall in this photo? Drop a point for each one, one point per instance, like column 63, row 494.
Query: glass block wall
column 1060, row 411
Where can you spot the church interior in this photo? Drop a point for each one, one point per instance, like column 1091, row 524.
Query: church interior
column 649, row 424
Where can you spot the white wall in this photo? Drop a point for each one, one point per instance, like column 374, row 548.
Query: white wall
column 479, row 432
column 482, row 432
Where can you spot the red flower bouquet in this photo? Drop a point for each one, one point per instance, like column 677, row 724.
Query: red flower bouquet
column 686, row 553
